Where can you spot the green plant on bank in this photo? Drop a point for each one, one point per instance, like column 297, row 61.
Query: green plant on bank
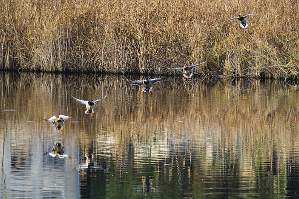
column 150, row 36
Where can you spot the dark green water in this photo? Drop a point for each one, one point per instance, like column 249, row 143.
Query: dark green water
column 187, row 139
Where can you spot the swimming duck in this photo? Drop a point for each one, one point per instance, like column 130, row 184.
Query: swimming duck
column 146, row 83
column 89, row 104
column 58, row 149
column 243, row 20
column 188, row 70
column 58, row 122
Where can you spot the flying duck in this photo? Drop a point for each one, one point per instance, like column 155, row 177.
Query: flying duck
column 146, row 83
column 188, row 70
column 58, row 122
column 243, row 20
column 89, row 104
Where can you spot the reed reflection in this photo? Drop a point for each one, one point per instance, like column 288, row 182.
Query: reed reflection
column 191, row 139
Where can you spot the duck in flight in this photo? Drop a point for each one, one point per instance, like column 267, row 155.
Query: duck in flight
column 89, row 104
column 146, row 83
column 188, row 70
column 58, row 121
column 243, row 20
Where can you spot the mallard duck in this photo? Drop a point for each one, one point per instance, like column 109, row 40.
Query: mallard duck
column 58, row 122
column 58, row 149
column 188, row 70
column 146, row 83
column 89, row 104
column 243, row 20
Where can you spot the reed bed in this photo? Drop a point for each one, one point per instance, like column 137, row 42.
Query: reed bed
column 138, row 36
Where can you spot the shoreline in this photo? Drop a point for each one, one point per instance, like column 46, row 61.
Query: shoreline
column 293, row 79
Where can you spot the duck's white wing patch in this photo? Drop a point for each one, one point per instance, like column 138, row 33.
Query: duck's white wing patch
column 155, row 80
column 137, row 82
column 64, row 117
column 81, row 101
column 54, row 155
column 63, row 156
column 52, row 119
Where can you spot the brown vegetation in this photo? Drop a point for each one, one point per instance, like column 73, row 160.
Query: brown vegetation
column 150, row 36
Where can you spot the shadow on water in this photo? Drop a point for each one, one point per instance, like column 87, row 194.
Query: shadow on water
column 193, row 139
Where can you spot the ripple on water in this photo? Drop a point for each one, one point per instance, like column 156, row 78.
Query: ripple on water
column 187, row 140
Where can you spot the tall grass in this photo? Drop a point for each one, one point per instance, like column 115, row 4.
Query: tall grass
column 150, row 36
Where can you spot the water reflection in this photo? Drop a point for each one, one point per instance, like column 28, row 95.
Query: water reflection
column 185, row 139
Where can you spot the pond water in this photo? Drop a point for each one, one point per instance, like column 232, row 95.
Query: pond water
column 186, row 139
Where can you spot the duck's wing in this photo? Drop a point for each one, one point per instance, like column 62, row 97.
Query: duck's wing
column 64, row 117
column 137, row 82
column 53, row 155
column 191, row 66
column 97, row 100
column 84, row 102
column 52, row 119
column 178, row 68
column 232, row 18
column 248, row 15
column 245, row 16
column 155, row 80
